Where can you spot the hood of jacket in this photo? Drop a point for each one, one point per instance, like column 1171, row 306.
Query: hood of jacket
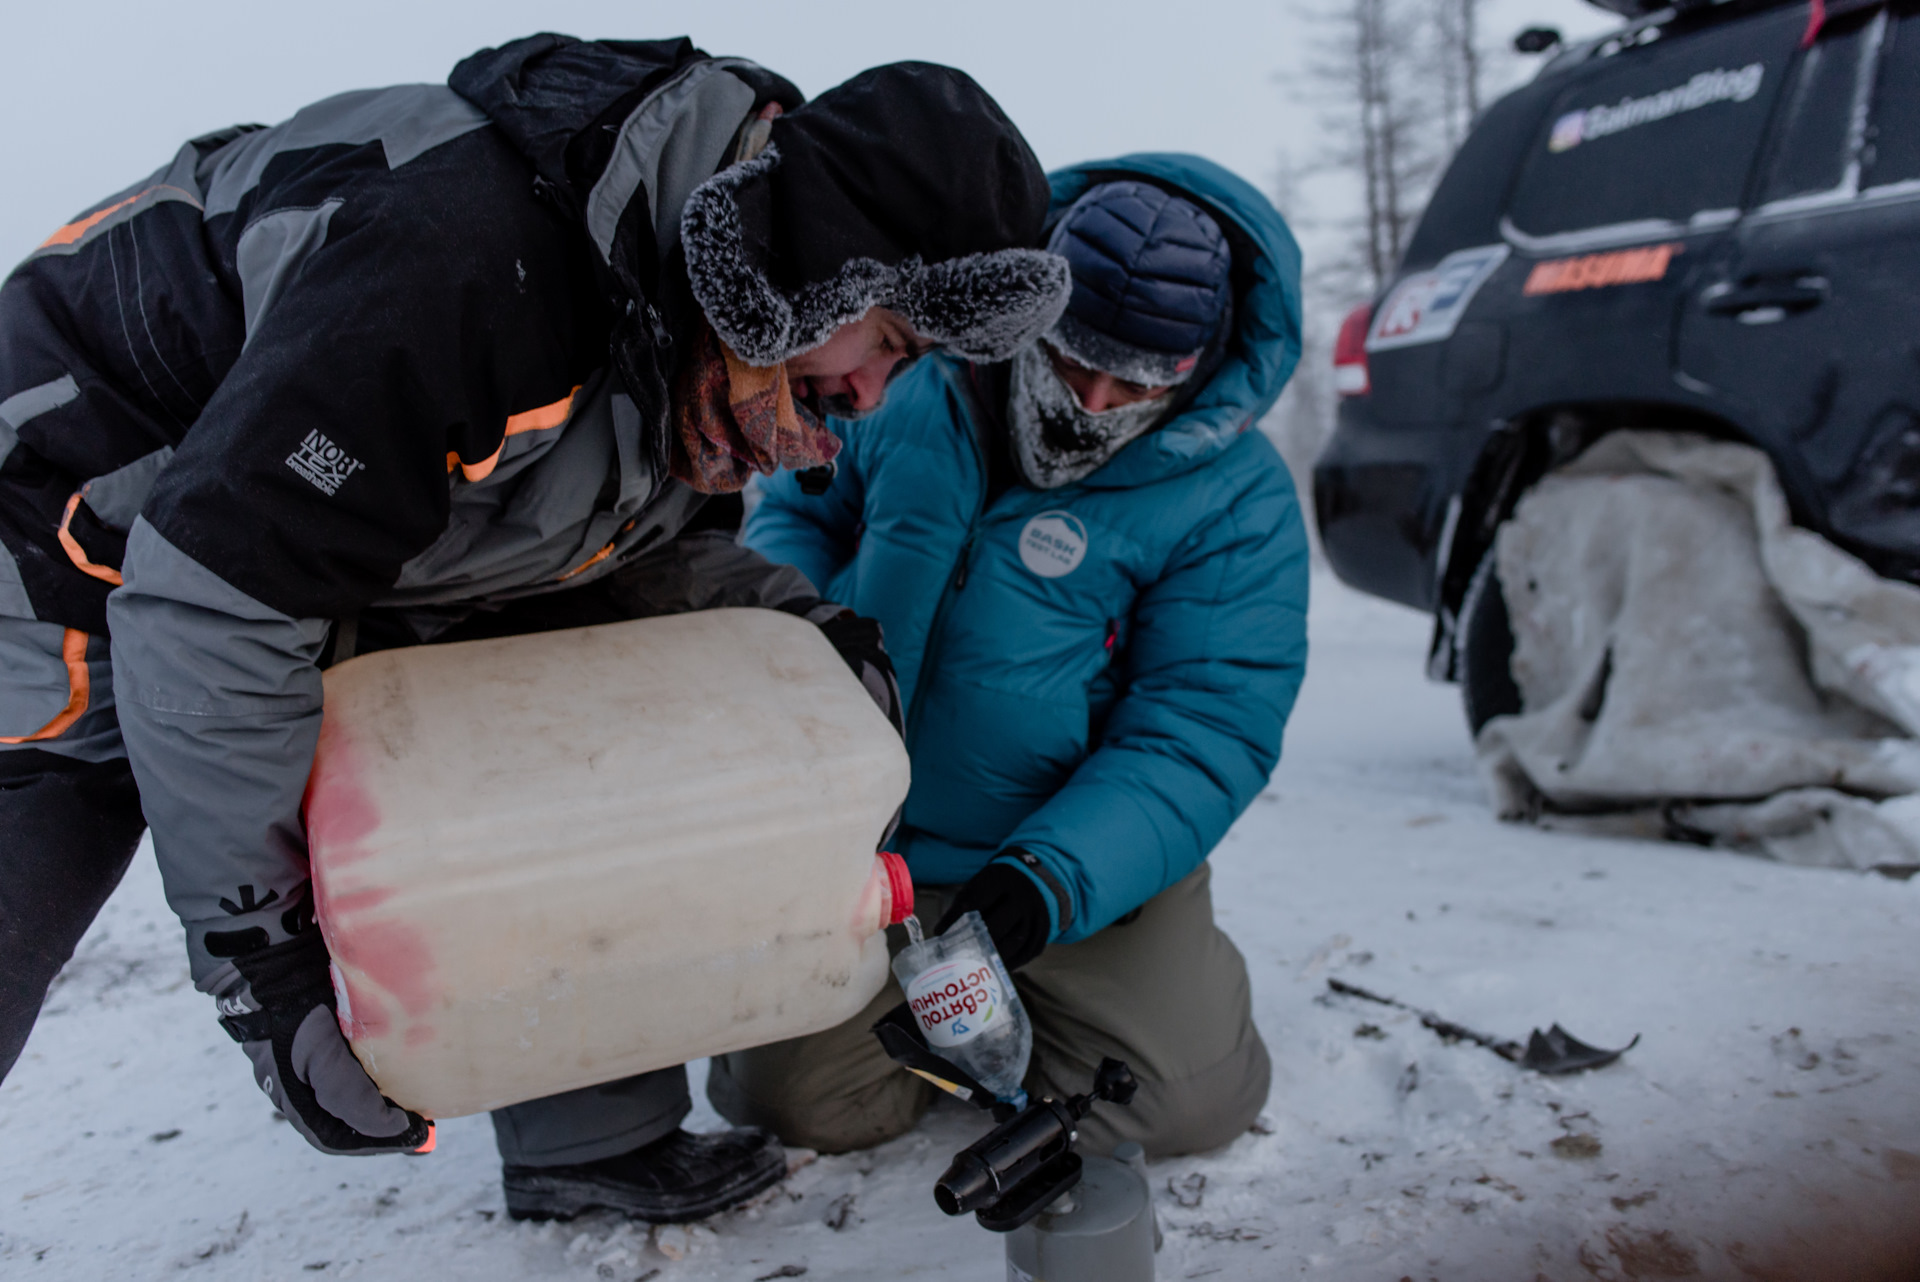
column 620, row 132
column 905, row 187
column 1264, row 347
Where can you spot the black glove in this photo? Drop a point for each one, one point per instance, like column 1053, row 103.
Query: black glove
column 280, row 1008
column 1012, row 906
column 859, row 642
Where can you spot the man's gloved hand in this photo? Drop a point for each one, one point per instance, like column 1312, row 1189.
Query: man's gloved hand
column 1012, row 906
column 859, row 642
column 280, row 1009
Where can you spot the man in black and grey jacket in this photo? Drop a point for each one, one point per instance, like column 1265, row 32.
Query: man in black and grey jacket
column 428, row 363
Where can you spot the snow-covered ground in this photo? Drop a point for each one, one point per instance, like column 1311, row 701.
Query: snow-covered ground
column 1768, row 1125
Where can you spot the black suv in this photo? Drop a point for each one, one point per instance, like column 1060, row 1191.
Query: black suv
column 1709, row 221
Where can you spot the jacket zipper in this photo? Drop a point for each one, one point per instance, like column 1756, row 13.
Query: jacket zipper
column 966, row 558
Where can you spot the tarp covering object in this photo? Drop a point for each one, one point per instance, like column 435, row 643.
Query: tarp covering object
column 1692, row 665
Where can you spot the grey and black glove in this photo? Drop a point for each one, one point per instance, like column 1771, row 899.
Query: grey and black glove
column 859, row 641
column 278, row 1004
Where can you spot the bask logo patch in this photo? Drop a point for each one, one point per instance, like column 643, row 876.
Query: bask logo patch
column 1053, row 544
column 323, row 463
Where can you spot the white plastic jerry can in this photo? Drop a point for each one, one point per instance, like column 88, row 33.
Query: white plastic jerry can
column 549, row 861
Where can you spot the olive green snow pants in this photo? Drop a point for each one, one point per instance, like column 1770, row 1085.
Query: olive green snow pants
column 1166, row 991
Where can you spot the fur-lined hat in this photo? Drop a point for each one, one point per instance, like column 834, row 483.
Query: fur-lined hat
column 906, row 187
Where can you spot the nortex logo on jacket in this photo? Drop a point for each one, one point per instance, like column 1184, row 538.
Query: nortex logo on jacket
column 323, row 463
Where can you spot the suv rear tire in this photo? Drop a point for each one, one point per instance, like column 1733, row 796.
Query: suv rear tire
column 1487, row 687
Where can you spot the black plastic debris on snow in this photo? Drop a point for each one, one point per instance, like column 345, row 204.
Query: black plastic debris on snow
column 1558, row 1051
column 1552, row 1052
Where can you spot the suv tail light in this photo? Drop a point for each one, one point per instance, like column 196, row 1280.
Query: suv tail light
column 1350, row 352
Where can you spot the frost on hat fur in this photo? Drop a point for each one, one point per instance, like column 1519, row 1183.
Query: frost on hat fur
column 983, row 306
column 1084, row 345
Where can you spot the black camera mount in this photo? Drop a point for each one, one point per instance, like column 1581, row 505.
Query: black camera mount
column 1013, row 1172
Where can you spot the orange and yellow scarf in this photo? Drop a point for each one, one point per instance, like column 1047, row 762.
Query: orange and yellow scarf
column 732, row 419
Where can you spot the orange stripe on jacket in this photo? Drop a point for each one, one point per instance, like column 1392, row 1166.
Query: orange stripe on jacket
column 78, row 554
column 587, row 564
column 597, row 557
column 73, row 649
column 81, row 226
column 540, row 420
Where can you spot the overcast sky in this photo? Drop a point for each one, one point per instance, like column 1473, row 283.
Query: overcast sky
column 96, row 96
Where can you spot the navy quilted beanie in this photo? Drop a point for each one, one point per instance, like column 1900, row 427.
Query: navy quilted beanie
column 1150, row 282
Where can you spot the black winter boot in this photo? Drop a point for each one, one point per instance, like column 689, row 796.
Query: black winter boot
column 676, row 1178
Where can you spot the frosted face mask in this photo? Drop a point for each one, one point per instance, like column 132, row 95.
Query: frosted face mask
column 1056, row 440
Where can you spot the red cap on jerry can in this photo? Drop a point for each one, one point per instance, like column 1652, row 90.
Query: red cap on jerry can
column 899, row 887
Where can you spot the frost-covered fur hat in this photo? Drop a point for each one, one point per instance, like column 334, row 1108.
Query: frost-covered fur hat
column 1151, row 282
column 906, row 188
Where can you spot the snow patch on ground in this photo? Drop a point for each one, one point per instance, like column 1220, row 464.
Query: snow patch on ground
column 1768, row 1125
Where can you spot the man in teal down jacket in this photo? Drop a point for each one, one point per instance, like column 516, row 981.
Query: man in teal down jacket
column 1092, row 576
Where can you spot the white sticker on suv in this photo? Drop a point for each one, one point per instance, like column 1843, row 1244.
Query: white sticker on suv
column 1705, row 89
column 1426, row 306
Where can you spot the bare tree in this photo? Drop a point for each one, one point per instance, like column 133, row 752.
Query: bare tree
column 1467, row 50
column 1456, row 29
column 1373, row 76
column 1398, row 83
column 1299, row 423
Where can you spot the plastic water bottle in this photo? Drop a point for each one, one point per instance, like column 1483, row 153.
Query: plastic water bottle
column 961, row 994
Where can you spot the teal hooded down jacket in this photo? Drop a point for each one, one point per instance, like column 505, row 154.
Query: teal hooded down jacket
column 1097, row 674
